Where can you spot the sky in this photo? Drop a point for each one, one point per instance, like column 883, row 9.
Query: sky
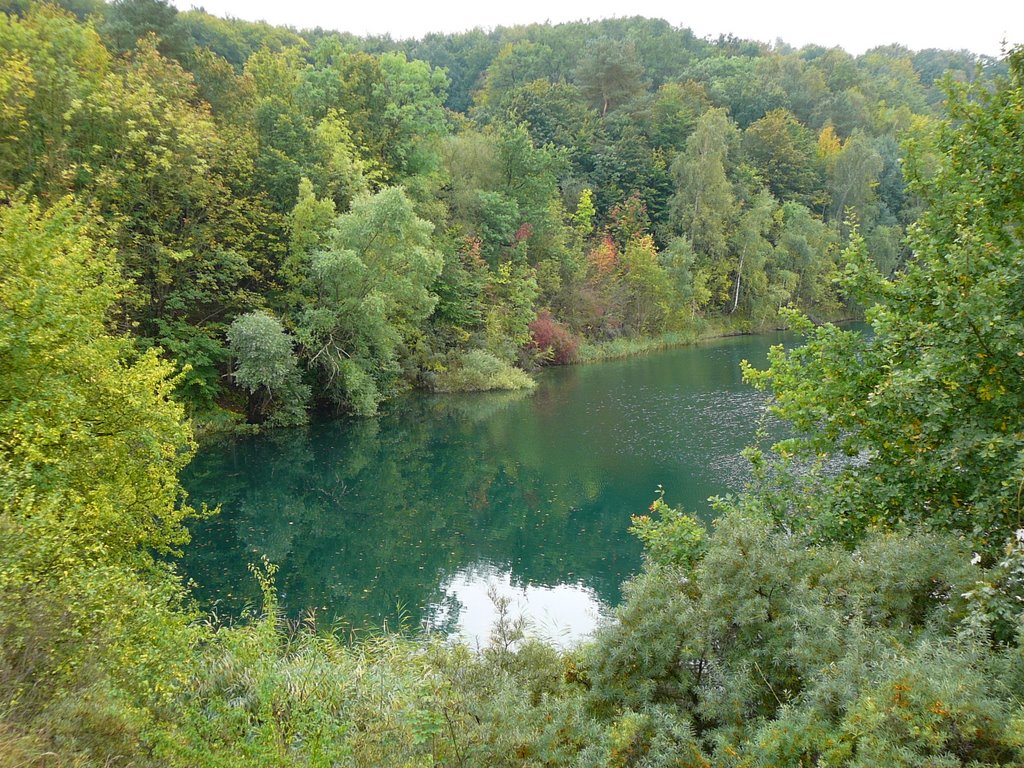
column 979, row 26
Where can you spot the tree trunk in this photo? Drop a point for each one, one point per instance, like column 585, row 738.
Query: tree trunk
column 739, row 279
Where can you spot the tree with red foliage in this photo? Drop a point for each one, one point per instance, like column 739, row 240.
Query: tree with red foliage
column 556, row 344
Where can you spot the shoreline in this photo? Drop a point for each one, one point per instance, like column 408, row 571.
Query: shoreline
column 619, row 349
column 589, row 352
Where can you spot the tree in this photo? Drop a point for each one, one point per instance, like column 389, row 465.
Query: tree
column 267, row 369
column 752, row 249
column 648, row 289
column 671, row 114
column 91, row 444
column 510, row 293
column 750, row 647
column 853, row 178
column 554, row 113
column 309, row 229
column 158, row 170
column 526, row 172
column 583, row 217
column 703, row 204
column 372, row 292
column 932, row 401
column 783, row 151
column 749, row 86
column 413, row 115
column 806, row 247
column 497, row 219
column 515, row 65
column 127, row 21
column 629, row 168
column 891, row 78
column 50, row 63
column 689, row 283
column 610, row 74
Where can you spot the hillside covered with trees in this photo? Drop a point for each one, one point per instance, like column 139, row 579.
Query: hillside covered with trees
column 308, row 219
column 228, row 217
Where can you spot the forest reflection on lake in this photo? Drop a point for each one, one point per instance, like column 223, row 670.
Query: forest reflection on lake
column 407, row 518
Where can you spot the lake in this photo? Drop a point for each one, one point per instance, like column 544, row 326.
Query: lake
column 420, row 516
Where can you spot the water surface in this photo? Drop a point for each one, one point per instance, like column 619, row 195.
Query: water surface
column 415, row 516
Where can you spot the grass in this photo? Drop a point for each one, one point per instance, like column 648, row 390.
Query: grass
column 613, row 349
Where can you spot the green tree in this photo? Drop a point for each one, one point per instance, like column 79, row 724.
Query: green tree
column 688, row 281
column 554, row 113
column 629, row 168
column 671, row 115
column 309, row 229
column 749, row 647
column 516, row 65
column 783, row 152
column 160, row 173
column 50, row 63
column 267, row 369
column 412, row 118
column 932, row 400
column 496, row 221
column 90, row 506
column 752, row 250
column 853, row 175
column 704, row 206
column 610, row 74
column 509, row 296
column 648, row 296
column 806, row 247
column 372, row 292
column 125, row 22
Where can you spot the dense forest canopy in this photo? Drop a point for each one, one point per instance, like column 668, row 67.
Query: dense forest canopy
column 310, row 218
column 235, row 221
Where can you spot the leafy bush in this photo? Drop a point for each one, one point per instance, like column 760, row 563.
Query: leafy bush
column 783, row 654
column 479, row 371
column 670, row 536
column 553, row 342
column 268, row 369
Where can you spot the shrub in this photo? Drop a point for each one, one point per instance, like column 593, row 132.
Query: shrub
column 479, row 371
column 267, row 369
column 555, row 343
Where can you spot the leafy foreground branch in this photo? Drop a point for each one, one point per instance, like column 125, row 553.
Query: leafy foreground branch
column 861, row 617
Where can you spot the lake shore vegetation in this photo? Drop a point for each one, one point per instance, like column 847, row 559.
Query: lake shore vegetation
column 206, row 216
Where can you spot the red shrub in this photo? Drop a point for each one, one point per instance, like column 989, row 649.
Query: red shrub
column 557, row 343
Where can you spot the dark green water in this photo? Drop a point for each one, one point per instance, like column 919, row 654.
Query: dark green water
column 417, row 512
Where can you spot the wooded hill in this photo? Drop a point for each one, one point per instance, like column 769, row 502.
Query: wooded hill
column 310, row 218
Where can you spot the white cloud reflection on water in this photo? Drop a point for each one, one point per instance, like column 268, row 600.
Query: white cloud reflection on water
column 563, row 614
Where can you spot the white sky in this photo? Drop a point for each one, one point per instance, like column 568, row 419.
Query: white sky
column 979, row 26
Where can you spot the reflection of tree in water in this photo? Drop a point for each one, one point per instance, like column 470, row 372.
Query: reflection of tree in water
column 367, row 517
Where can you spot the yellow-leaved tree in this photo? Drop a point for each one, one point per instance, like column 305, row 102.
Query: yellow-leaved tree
column 90, row 448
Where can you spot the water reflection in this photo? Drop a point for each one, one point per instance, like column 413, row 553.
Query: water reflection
column 563, row 614
column 369, row 519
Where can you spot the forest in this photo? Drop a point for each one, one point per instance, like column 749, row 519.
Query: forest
column 208, row 223
column 312, row 221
